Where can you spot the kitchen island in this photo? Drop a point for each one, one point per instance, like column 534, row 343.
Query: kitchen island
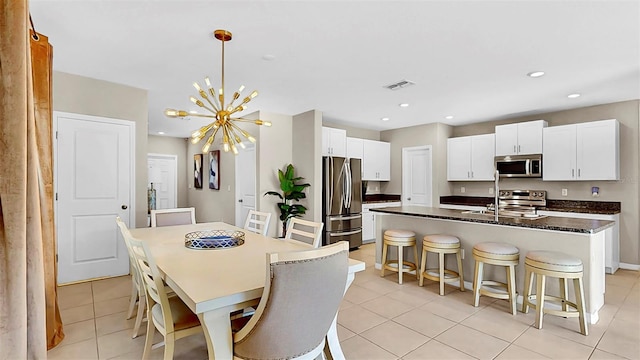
column 581, row 238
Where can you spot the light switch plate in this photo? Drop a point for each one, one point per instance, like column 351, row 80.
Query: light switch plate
column 564, row 192
column 463, row 190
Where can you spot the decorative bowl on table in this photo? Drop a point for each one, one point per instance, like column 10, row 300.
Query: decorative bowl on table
column 213, row 239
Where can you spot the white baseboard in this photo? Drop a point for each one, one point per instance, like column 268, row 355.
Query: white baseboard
column 629, row 266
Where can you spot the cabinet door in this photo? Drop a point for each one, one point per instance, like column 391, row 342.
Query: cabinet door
column 326, row 150
column 354, row 148
column 368, row 226
column 384, row 161
column 458, row 158
column 482, row 157
column 559, row 155
column 338, row 142
column 597, row 150
column 530, row 137
column 506, row 139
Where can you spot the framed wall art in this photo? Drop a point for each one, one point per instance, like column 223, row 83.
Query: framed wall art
column 197, row 171
column 214, row 170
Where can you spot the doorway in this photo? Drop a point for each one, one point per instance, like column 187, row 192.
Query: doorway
column 163, row 174
column 245, row 183
column 417, row 175
column 94, row 178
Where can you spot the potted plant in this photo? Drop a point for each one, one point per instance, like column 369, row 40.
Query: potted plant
column 292, row 191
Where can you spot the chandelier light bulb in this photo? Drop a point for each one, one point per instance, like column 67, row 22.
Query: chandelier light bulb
column 240, row 89
column 197, row 86
column 251, row 138
column 208, row 82
column 254, row 94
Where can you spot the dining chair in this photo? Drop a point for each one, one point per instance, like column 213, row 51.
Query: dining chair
column 170, row 217
column 138, row 293
column 258, row 222
column 305, row 231
column 169, row 315
column 284, row 326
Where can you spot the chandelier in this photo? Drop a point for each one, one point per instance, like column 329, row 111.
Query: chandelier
column 215, row 105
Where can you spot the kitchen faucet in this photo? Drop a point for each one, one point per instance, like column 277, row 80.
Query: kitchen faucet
column 496, row 188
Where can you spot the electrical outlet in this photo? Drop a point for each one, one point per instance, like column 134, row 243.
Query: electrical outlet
column 228, row 187
column 463, row 190
column 564, row 192
column 490, row 191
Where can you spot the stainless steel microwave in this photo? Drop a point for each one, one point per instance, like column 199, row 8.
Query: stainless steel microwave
column 519, row 165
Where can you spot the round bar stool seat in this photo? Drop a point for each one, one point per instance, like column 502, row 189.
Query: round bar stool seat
column 441, row 245
column 499, row 254
column 559, row 265
column 401, row 239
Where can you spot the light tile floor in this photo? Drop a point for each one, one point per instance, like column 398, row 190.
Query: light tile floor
column 380, row 319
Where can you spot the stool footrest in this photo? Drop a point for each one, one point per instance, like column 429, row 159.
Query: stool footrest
column 454, row 276
column 573, row 312
column 494, row 289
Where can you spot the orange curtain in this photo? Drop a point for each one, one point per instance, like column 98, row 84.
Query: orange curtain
column 41, row 68
column 26, row 226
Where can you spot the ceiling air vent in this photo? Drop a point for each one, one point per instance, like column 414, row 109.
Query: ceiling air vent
column 399, row 85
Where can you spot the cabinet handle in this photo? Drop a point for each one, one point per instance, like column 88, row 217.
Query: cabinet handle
column 572, row 173
column 472, row 174
column 514, row 148
column 518, row 148
column 468, row 174
column 578, row 172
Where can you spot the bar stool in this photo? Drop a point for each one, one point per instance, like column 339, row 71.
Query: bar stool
column 496, row 254
column 441, row 245
column 563, row 266
column 401, row 239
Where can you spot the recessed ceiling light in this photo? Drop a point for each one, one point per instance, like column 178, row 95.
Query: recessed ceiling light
column 535, row 74
column 385, row 119
column 404, row 105
column 268, row 57
column 160, row 132
column 449, row 117
column 573, row 96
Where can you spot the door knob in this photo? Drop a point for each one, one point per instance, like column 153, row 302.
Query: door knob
column 240, row 200
column 409, row 198
column 124, row 207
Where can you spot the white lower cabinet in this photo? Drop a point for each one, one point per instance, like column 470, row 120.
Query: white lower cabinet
column 369, row 220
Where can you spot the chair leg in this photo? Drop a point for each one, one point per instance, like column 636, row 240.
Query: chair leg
column 400, row 263
column 169, row 346
column 511, row 287
column 540, row 286
column 148, row 342
column 134, row 297
column 423, row 266
column 384, row 258
column 564, row 293
column 441, row 272
column 415, row 260
column 579, row 289
column 460, row 271
column 477, row 283
column 528, row 284
column 142, row 304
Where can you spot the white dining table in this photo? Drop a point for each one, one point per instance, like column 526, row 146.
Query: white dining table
column 215, row 283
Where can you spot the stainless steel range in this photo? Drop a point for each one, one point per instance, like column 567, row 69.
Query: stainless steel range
column 519, row 203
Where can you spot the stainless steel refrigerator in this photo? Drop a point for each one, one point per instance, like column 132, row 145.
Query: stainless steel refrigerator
column 342, row 200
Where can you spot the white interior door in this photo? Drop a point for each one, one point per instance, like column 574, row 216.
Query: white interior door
column 416, row 175
column 94, row 183
column 163, row 173
column 245, row 183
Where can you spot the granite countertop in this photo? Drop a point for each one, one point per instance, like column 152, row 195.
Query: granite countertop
column 576, row 206
column 586, row 226
column 380, row 198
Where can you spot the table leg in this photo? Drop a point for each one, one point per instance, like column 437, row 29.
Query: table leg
column 216, row 326
column 332, row 334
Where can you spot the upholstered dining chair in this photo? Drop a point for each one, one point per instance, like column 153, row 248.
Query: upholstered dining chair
column 169, row 315
column 138, row 292
column 258, row 222
column 284, row 326
column 170, row 217
column 305, row 231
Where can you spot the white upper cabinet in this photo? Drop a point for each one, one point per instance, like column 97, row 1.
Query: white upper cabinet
column 471, row 158
column 355, row 148
column 586, row 151
column 376, row 160
column 334, row 142
column 519, row 139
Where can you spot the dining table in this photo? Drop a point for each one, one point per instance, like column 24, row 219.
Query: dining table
column 214, row 283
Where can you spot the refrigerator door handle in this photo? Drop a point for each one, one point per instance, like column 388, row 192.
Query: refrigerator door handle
column 332, row 218
column 346, row 233
column 348, row 193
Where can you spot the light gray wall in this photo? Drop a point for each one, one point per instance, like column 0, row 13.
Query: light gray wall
column 434, row 134
column 273, row 152
column 307, row 144
column 354, row 132
column 83, row 95
column 173, row 146
column 626, row 190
